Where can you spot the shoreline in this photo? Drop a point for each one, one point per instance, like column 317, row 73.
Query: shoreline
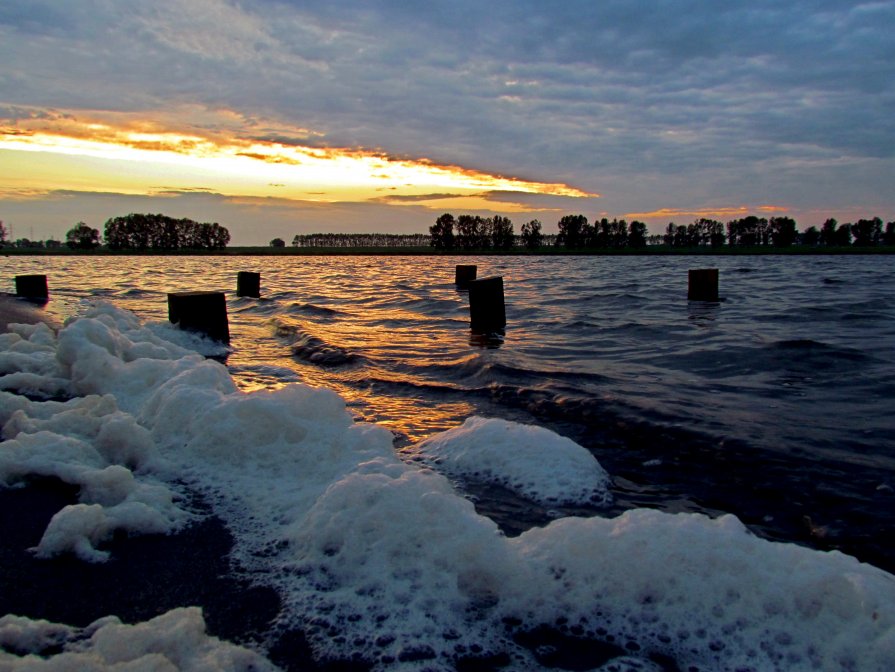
column 146, row 575
column 650, row 251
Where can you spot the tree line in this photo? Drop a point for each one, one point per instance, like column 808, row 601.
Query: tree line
column 342, row 240
column 135, row 232
column 160, row 232
column 575, row 232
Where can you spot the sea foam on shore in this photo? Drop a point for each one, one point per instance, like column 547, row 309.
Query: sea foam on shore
column 383, row 561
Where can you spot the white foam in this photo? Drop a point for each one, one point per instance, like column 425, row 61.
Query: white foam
column 532, row 461
column 173, row 641
column 379, row 558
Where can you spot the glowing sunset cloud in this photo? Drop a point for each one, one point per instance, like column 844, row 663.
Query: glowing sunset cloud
column 135, row 157
column 708, row 213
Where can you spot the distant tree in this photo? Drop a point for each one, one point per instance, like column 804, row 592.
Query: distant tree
column 867, row 232
column 637, row 234
column 469, row 232
column 843, row 235
column 828, row 232
column 4, row 233
column 668, row 238
column 810, row 237
column 748, row 232
column 278, row 242
column 889, row 235
column 605, row 234
column 531, row 235
column 158, row 232
column 783, row 231
column 483, row 228
column 573, row 231
column 82, row 237
column 501, row 233
column 442, row 232
column 26, row 243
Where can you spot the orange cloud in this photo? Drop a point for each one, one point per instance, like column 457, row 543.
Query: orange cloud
column 721, row 211
column 229, row 151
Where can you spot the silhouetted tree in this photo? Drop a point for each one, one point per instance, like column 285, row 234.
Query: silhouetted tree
column 867, row 232
column 810, row 237
column 442, row 232
column 843, row 235
column 159, row 232
column 828, row 232
column 573, row 231
column 531, row 235
column 749, row 231
column 501, row 233
column 783, row 231
column 343, row 240
column 637, row 234
column 889, row 235
column 3, row 233
column 473, row 232
column 278, row 242
column 82, row 237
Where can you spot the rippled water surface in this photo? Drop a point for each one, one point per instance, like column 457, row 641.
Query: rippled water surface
column 775, row 404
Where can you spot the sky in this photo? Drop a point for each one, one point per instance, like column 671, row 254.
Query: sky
column 279, row 117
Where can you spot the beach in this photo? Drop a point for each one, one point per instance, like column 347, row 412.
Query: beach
column 433, row 516
column 147, row 576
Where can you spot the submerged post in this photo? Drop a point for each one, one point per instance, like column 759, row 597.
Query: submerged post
column 463, row 275
column 703, row 284
column 487, row 311
column 248, row 284
column 205, row 312
column 32, row 287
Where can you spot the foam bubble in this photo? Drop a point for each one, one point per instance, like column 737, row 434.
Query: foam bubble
column 532, row 461
column 383, row 560
column 176, row 640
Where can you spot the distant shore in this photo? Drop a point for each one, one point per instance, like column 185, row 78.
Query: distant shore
column 652, row 250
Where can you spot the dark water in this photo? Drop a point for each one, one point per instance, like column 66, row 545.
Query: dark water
column 776, row 404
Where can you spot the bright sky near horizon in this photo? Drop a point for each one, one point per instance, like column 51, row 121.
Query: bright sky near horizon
column 277, row 117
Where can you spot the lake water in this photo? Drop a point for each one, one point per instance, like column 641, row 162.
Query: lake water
column 774, row 404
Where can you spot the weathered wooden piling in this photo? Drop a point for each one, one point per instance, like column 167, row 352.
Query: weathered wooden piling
column 703, row 284
column 248, row 284
column 204, row 312
column 487, row 311
column 463, row 275
column 33, row 287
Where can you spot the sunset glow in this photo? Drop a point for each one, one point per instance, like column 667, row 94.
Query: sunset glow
column 150, row 161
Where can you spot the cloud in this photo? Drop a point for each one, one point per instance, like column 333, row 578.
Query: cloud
column 654, row 105
column 414, row 198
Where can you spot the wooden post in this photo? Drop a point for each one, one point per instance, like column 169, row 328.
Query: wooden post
column 487, row 312
column 205, row 312
column 463, row 275
column 248, row 284
column 703, row 284
column 32, row 287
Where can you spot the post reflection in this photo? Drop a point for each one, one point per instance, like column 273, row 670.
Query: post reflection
column 488, row 340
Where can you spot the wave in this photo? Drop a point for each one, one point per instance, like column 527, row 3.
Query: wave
column 313, row 310
column 309, row 348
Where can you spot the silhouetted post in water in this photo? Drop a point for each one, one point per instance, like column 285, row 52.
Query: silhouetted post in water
column 703, row 284
column 486, row 306
column 248, row 284
column 464, row 275
column 205, row 312
column 32, row 287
